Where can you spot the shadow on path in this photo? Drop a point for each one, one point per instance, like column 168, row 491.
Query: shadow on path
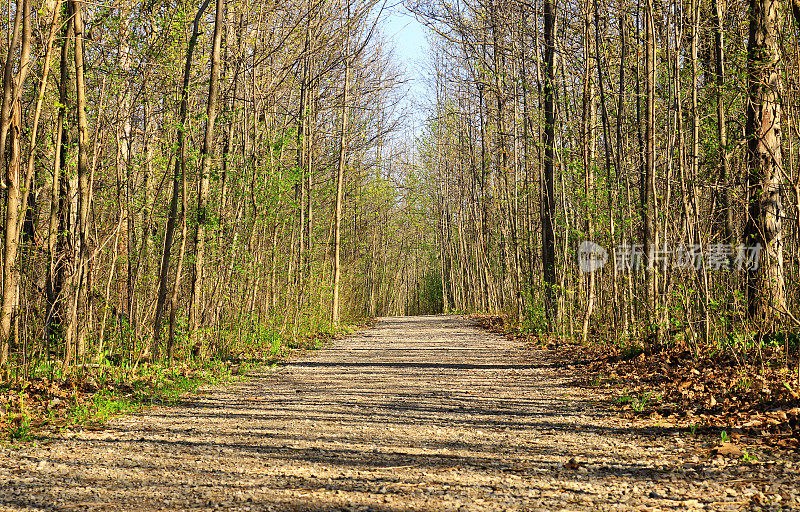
column 418, row 413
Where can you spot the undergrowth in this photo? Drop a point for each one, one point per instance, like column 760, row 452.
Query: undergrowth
column 50, row 396
column 745, row 381
column 94, row 394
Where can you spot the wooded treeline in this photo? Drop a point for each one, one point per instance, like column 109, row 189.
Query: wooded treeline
column 206, row 177
column 666, row 132
column 214, row 177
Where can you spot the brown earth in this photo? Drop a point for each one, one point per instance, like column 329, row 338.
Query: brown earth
column 418, row 413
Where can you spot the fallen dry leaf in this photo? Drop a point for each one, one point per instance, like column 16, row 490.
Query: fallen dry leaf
column 729, row 449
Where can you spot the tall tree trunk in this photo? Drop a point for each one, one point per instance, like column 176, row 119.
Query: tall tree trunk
column 11, row 124
column 75, row 335
column 29, row 172
column 337, row 269
column 177, row 184
column 764, row 229
column 207, row 154
column 548, row 194
column 125, row 170
column 796, row 12
column 9, row 83
column 59, row 240
column 717, row 11
column 176, row 284
column 648, row 176
column 702, row 273
column 620, row 135
column 589, row 145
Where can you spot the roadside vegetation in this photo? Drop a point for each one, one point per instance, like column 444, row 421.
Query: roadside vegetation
column 54, row 397
column 752, row 394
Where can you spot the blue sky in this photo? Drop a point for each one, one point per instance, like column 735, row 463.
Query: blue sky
column 407, row 36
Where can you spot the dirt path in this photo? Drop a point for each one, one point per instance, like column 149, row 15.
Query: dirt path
column 421, row 413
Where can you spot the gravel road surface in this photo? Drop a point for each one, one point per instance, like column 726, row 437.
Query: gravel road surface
column 415, row 414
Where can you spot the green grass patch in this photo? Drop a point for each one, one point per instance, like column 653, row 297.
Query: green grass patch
column 640, row 402
column 92, row 396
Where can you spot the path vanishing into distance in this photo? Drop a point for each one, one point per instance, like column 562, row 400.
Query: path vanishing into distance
column 415, row 414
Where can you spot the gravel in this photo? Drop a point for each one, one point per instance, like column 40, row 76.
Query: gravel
column 418, row 413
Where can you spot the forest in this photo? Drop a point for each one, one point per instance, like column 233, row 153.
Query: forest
column 619, row 170
column 203, row 180
column 184, row 178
